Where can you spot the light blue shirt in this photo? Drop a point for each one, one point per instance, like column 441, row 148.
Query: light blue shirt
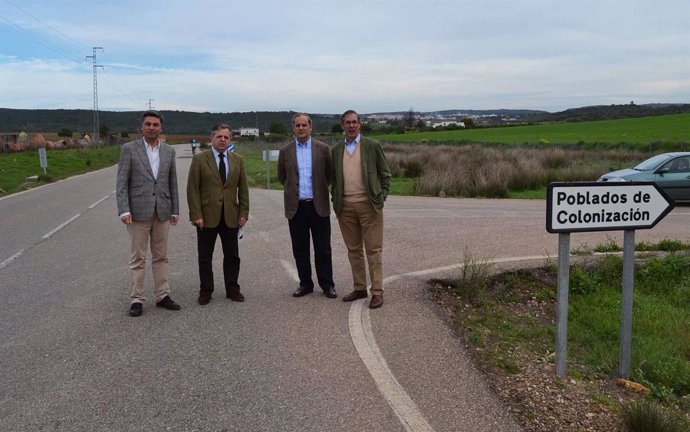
column 304, row 169
column 350, row 146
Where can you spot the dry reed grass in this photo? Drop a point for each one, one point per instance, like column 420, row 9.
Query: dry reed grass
column 480, row 171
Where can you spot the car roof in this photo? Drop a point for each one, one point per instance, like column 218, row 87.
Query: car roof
column 674, row 154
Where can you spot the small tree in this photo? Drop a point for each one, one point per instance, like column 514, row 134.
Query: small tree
column 103, row 131
column 337, row 128
column 277, row 128
column 410, row 118
column 469, row 123
column 65, row 133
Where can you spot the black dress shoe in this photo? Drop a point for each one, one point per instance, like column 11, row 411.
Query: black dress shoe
column 330, row 292
column 376, row 302
column 204, row 299
column 235, row 296
column 301, row 291
column 168, row 303
column 354, row 295
column 135, row 309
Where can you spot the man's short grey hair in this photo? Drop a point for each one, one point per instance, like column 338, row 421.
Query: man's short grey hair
column 347, row 113
column 294, row 117
column 220, row 126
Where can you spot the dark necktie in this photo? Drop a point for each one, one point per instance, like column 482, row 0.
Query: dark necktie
column 221, row 167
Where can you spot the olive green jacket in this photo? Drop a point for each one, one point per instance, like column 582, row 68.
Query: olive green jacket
column 206, row 194
column 375, row 173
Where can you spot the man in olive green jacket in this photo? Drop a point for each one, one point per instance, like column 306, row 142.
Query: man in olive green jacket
column 218, row 199
column 360, row 187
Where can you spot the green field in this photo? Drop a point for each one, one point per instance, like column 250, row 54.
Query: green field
column 669, row 129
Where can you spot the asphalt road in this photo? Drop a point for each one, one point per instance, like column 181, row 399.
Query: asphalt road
column 71, row 359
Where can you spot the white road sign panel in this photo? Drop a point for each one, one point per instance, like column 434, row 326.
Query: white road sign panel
column 595, row 206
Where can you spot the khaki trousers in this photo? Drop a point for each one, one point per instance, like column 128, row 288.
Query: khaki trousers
column 362, row 229
column 155, row 233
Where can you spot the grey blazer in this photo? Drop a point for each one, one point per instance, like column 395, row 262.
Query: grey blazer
column 138, row 192
column 321, row 169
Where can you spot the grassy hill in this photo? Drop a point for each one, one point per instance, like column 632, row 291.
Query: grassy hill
column 668, row 130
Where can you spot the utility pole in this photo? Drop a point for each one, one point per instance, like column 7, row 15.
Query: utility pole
column 95, row 95
column 150, row 100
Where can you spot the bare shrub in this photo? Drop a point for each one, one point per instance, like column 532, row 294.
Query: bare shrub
column 491, row 179
column 475, row 273
column 646, row 416
column 554, row 158
column 474, row 170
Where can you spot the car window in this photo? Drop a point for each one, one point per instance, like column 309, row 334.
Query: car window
column 680, row 164
column 652, row 163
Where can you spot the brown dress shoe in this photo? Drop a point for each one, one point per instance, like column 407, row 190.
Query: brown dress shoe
column 235, row 296
column 376, row 302
column 204, row 299
column 356, row 294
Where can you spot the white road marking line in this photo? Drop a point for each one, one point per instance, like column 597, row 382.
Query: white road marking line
column 10, row 259
column 362, row 336
column 98, row 202
column 64, row 224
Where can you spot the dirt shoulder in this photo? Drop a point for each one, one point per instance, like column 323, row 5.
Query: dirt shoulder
column 538, row 399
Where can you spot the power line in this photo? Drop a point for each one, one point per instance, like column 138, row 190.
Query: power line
column 43, row 41
column 119, row 88
column 47, row 25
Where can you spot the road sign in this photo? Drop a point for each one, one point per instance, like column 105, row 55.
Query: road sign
column 270, row 155
column 602, row 206
column 43, row 159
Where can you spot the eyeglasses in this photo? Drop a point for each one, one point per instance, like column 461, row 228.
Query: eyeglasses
column 351, row 122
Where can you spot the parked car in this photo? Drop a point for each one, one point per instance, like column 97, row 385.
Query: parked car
column 671, row 171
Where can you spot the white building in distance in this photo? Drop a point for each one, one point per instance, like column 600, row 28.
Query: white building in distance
column 248, row 131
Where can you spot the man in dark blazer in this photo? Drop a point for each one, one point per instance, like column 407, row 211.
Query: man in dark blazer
column 304, row 169
column 361, row 182
column 147, row 202
column 218, row 198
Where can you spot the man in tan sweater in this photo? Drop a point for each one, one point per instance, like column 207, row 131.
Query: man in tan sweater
column 360, row 187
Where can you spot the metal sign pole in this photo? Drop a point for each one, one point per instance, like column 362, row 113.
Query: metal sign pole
column 562, row 303
column 268, row 170
column 627, row 303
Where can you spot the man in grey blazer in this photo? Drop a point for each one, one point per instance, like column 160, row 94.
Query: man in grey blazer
column 304, row 169
column 147, row 202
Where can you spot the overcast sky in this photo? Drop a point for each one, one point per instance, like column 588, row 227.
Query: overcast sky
column 324, row 56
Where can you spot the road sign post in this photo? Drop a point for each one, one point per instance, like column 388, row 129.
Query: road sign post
column 269, row 156
column 596, row 206
column 43, row 159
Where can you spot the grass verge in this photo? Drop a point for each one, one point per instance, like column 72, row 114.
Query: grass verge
column 512, row 328
column 15, row 168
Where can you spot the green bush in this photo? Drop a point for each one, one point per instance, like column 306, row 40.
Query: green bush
column 645, row 416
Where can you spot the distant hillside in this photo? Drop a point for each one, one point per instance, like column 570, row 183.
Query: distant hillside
column 176, row 122
column 193, row 123
column 609, row 112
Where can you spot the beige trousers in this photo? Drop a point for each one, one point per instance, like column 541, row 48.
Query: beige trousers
column 362, row 229
column 155, row 233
